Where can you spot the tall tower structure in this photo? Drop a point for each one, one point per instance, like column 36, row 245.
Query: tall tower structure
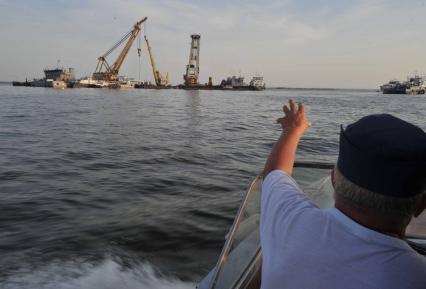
column 193, row 67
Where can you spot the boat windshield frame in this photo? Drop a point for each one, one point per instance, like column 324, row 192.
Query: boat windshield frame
column 232, row 233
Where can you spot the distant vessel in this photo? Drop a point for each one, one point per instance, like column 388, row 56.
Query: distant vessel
column 414, row 85
column 233, row 82
column 42, row 83
column 394, row 87
column 56, row 78
column 257, row 83
column 89, row 82
column 417, row 85
column 60, row 74
column 237, row 83
column 48, row 83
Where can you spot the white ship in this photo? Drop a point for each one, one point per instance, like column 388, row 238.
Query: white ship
column 257, row 83
column 89, row 82
column 92, row 83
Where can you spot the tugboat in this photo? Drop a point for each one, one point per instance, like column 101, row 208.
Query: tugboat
column 239, row 265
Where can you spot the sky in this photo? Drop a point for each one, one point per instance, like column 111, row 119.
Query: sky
column 291, row 43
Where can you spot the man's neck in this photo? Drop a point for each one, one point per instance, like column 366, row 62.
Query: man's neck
column 392, row 226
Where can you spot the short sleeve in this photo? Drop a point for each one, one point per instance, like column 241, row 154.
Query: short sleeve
column 282, row 201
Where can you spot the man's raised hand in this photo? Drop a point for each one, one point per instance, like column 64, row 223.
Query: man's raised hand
column 294, row 119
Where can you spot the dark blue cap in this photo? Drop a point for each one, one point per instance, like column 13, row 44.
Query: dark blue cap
column 384, row 154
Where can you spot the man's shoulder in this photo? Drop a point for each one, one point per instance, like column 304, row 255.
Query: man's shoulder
column 279, row 179
column 280, row 190
column 283, row 204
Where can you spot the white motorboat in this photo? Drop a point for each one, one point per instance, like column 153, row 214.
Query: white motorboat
column 90, row 82
column 239, row 265
column 96, row 83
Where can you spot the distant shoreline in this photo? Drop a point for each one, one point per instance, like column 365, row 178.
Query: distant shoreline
column 282, row 88
column 320, row 88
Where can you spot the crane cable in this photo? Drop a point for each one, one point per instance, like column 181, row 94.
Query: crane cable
column 140, row 44
column 139, row 55
column 124, row 38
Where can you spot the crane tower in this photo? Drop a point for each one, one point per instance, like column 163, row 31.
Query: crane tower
column 193, row 67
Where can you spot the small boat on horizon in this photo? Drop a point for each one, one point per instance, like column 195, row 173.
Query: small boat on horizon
column 238, row 83
column 413, row 85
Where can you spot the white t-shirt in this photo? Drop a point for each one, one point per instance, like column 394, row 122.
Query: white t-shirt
column 304, row 247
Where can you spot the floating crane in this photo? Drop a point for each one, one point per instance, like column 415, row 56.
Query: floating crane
column 159, row 79
column 111, row 73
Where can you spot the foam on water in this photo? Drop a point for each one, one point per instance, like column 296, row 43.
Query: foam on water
column 105, row 275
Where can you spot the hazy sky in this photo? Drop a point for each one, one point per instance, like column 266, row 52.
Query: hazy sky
column 296, row 43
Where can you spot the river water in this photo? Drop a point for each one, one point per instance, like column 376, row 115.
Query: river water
column 137, row 188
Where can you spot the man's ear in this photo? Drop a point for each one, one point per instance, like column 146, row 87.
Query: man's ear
column 332, row 177
column 421, row 207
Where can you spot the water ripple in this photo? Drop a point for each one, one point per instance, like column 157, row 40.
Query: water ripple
column 152, row 176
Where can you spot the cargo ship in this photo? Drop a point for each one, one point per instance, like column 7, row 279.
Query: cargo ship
column 56, row 78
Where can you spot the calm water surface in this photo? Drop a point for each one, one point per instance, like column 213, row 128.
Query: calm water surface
column 137, row 188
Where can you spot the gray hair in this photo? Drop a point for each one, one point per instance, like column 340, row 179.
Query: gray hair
column 363, row 198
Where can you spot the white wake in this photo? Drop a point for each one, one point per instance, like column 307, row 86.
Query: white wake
column 106, row 275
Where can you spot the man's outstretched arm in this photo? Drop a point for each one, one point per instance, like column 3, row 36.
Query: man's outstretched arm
column 294, row 123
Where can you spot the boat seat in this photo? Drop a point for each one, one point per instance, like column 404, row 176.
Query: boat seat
column 419, row 248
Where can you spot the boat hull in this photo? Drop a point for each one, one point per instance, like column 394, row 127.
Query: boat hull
column 401, row 90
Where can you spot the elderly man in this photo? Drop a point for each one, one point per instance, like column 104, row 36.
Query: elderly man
column 379, row 183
